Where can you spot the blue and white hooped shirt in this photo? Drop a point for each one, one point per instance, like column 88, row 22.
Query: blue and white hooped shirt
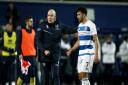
column 86, row 32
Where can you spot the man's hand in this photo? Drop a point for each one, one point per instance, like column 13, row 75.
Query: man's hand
column 11, row 50
column 47, row 52
column 69, row 52
column 25, row 66
column 20, row 57
column 96, row 59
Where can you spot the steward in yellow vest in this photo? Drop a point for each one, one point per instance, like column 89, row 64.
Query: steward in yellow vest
column 8, row 54
column 8, row 42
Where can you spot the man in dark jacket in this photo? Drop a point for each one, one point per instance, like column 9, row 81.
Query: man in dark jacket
column 49, row 37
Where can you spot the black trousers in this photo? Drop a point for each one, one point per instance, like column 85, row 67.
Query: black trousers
column 125, row 73
column 7, row 70
column 50, row 69
column 31, row 70
column 108, row 72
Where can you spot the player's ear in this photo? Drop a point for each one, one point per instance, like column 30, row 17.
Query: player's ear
column 84, row 16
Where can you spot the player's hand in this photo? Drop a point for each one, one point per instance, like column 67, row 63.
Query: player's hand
column 47, row 52
column 20, row 57
column 96, row 59
column 68, row 52
column 11, row 50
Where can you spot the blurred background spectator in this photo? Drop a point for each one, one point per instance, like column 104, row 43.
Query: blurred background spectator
column 108, row 59
column 123, row 54
column 11, row 15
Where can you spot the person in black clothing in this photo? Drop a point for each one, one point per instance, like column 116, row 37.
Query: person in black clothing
column 49, row 38
column 12, row 15
column 7, row 55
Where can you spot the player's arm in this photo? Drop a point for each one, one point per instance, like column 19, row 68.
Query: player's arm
column 97, row 47
column 18, row 42
column 1, row 42
column 76, row 45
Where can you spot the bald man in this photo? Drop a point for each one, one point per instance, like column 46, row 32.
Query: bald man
column 49, row 38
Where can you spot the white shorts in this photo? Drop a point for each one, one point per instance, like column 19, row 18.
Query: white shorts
column 85, row 63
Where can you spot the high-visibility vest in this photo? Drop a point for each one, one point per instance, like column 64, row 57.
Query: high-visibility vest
column 9, row 42
column 27, row 45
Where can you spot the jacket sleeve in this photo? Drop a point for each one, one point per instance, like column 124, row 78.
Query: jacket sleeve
column 18, row 42
column 35, row 42
column 104, row 50
column 123, row 50
column 1, row 41
column 39, row 38
column 2, row 47
column 68, row 30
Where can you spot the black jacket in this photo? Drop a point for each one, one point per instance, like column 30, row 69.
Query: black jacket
column 49, row 35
